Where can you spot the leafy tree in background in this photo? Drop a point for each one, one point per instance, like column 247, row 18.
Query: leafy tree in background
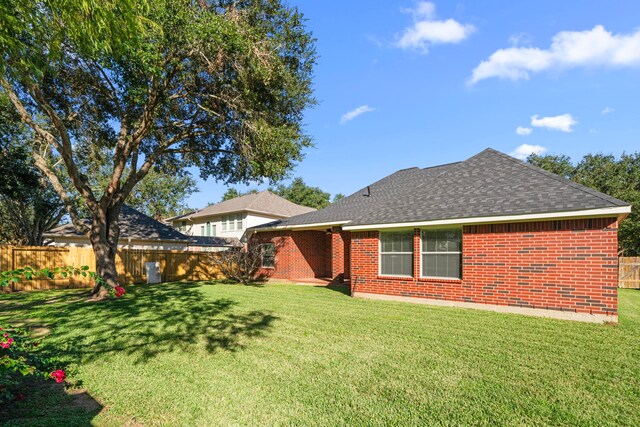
column 619, row 178
column 220, row 85
column 338, row 197
column 302, row 194
column 232, row 193
column 28, row 205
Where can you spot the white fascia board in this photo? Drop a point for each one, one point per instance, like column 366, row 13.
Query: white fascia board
column 300, row 226
column 618, row 211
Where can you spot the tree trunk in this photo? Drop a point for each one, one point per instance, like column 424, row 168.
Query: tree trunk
column 104, row 236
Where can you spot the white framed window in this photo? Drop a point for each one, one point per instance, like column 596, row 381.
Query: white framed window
column 208, row 228
column 267, row 255
column 442, row 253
column 223, row 220
column 396, row 253
column 239, row 222
column 202, row 230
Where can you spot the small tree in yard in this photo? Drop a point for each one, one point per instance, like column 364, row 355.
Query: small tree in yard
column 237, row 265
column 216, row 84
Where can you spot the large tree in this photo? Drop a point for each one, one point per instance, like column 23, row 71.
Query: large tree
column 617, row 177
column 220, row 85
column 29, row 206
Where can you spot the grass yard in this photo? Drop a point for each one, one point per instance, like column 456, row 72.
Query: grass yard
column 214, row 354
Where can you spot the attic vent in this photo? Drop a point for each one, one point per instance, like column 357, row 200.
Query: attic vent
column 368, row 193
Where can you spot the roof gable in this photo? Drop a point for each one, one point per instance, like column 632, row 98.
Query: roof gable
column 264, row 202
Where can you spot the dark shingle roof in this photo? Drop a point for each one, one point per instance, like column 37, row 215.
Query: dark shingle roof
column 215, row 241
column 488, row 184
column 133, row 225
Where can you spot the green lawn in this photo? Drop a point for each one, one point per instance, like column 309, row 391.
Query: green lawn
column 214, row 354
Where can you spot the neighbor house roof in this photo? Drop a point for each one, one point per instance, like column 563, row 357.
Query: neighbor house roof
column 264, row 202
column 230, row 242
column 133, row 224
column 488, row 185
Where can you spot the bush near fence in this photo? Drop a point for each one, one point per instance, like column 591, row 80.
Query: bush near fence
column 130, row 263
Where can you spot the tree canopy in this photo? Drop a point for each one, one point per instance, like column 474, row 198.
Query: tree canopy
column 617, row 177
column 302, row 194
column 221, row 85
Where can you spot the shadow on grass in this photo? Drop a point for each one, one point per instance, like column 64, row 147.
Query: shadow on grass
column 151, row 320
column 48, row 403
column 336, row 287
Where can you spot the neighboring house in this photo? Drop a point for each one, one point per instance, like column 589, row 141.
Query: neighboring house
column 489, row 232
column 139, row 231
column 232, row 217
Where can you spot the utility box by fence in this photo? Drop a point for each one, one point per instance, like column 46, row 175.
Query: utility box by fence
column 130, row 263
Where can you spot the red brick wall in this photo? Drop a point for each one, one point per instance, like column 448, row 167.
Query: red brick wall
column 340, row 254
column 561, row 265
column 299, row 254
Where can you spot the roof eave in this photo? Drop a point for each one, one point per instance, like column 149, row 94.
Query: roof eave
column 620, row 212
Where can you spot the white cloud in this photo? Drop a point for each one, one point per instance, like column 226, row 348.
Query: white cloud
column 347, row 117
column 563, row 123
column 521, row 130
column 596, row 47
column 426, row 30
column 520, row 39
column 607, row 110
column 525, row 150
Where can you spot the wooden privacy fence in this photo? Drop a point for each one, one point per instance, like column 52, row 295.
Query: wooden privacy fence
column 629, row 272
column 130, row 263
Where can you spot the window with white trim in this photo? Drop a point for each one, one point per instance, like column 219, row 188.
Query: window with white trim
column 267, row 255
column 239, row 222
column 442, row 253
column 396, row 253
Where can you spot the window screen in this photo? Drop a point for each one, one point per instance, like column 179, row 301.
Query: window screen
column 442, row 253
column 268, row 255
column 396, row 253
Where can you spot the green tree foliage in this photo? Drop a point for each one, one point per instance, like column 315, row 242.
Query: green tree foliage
column 220, row 85
column 617, row 177
column 338, row 197
column 302, row 194
column 232, row 193
column 28, row 204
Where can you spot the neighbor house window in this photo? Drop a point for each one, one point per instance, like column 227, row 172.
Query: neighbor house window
column 224, row 223
column 208, row 229
column 202, row 230
column 183, row 227
column 267, row 255
column 239, row 222
column 396, row 253
column 442, row 253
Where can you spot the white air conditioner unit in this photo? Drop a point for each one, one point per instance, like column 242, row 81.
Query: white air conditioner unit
column 153, row 272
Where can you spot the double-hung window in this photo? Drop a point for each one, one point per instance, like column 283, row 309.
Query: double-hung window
column 442, row 253
column 268, row 255
column 396, row 253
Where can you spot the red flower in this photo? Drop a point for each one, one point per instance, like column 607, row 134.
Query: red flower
column 119, row 291
column 7, row 343
column 58, row 375
column 19, row 396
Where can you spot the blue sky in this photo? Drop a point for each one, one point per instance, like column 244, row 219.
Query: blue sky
column 436, row 82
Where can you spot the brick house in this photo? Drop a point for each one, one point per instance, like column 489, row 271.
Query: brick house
column 489, row 232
